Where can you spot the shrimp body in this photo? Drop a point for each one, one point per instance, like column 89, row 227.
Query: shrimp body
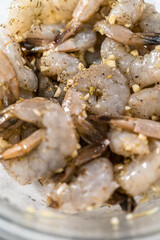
column 110, row 91
column 143, row 71
column 45, row 12
column 142, row 172
column 126, row 143
column 26, row 78
column 61, row 64
column 45, row 151
column 89, row 190
column 145, row 104
column 127, row 12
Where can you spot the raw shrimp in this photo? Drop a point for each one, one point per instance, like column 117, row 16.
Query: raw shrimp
column 83, row 11
column 126, row 143
column 45, row 151
column 26, row 78
column 145, row 104
column 8, row 81
column 81, row 42
column 126, row 36
column 137, row 176
column 89, row 189
column 127, row 12
column 150, row 19
column 143, row 71
column 25, row 13
column 61, row 64
column 99, row 89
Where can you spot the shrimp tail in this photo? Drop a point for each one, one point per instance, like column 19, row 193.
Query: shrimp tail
column 150, row 38
column 25, row 146
column 69, row 31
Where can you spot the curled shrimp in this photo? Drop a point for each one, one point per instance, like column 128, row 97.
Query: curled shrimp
column 26, row 78
column 126, row 12
column 45, row 12
column 124, row 35
column 143, row 71
column 137, row 176
column 145, row 103
column 98, row 89
column 42, row 153
column 89, row 189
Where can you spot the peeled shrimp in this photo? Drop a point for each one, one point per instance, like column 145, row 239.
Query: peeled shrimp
column 150, row 19
column 105, row 88
column 126, row 143
column 126, row 36
column 61, row 64
column 89, row 190
column 127, row 12
column 143, row 71
column 46, row 12
column 137, row 176
column 26, row 78
column 45, row 151
column 145, row 104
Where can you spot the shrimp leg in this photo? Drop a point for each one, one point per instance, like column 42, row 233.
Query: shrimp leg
column 25, row 146
column 124, row 35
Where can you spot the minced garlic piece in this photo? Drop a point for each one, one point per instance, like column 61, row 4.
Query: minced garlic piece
column 111, row 57
column 136, row 88
column 84, row 114
column 142, row 137
column 80, row 66
column 110, row 63
column 127, row 108
column 154, row 118
column 91, row 50
column 84, row 106
column 86, row 97
column 157, row 47
column 44, row 68
column 112, row 19
column 70, row 82
column 134, row 53
column 127, row 25
column 58, row 92
column 109, row 76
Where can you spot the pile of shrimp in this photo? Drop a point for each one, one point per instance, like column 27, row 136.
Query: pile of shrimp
column 79, row 99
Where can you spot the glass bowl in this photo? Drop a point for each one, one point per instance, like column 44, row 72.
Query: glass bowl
column 24, row 216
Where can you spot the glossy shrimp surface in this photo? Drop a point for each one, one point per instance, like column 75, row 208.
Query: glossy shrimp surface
column 42, row 153
column 94, row 182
